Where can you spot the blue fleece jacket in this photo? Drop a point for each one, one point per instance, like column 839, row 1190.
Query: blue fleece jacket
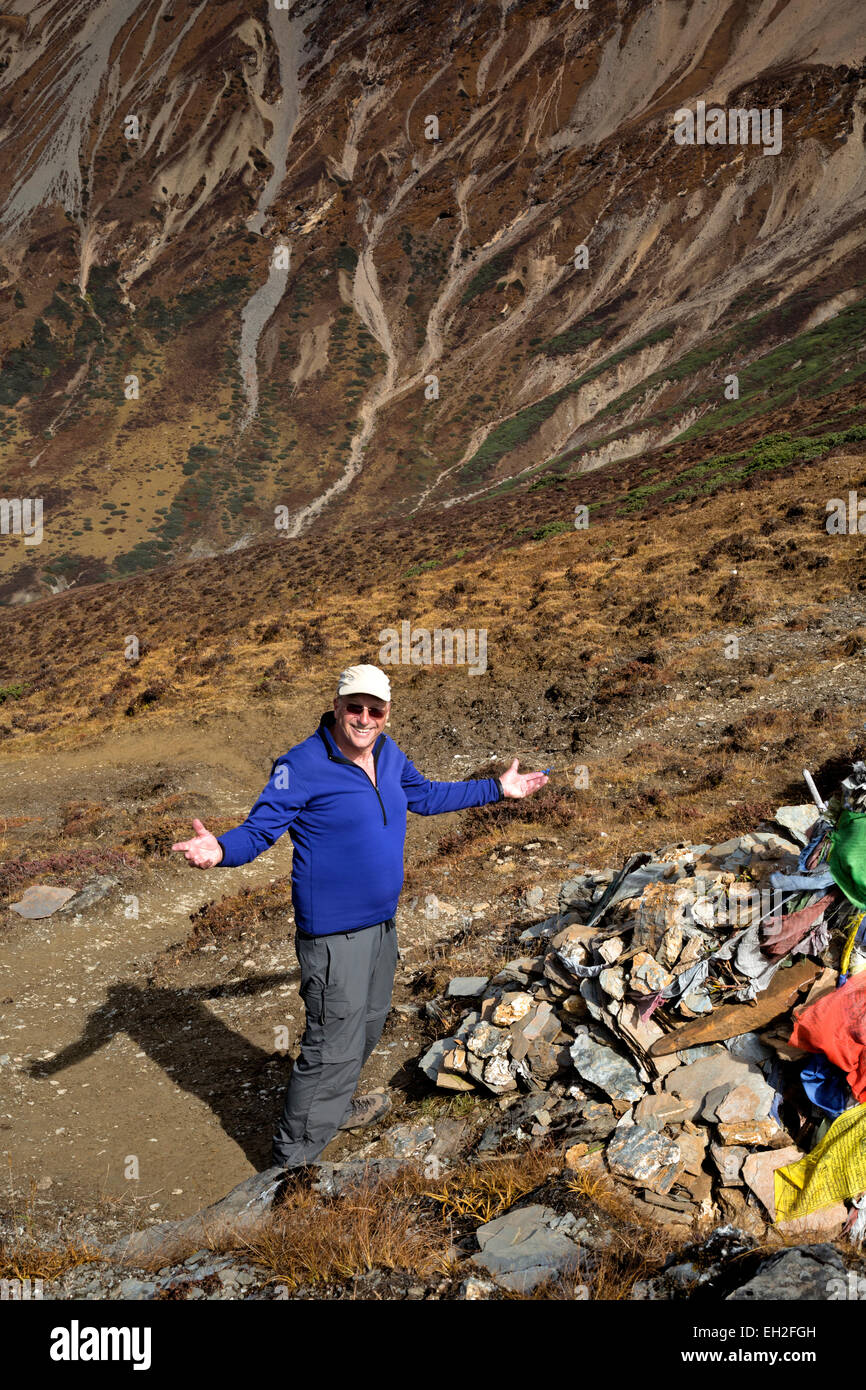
column 348, row 834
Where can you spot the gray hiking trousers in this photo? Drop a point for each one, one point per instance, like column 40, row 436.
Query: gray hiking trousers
column 346, row 984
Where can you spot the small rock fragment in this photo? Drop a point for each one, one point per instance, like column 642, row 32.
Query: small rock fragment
column 455, row 1060
column 485, row 1040
column 643, row 1155
column 612, row 982
column 611, row 949
column 497, row 1075
column 647, row 976
column 729, row 1162
column 473, row 1289
column 658, row 1111
column 750, row 1132
column 512, row 1007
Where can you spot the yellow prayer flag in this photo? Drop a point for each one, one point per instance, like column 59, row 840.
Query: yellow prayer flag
column 835, row 1169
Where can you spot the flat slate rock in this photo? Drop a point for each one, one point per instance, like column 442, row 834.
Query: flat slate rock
column 336, row 1178
column 526, row 1246
column 91, row 893
column 41, row 900
column 797, row 820
column 467, row 987
column 241, row 1212
column 759, row 1174
column 435, row 1055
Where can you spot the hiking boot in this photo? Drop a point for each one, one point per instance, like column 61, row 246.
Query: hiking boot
column 366, row 1110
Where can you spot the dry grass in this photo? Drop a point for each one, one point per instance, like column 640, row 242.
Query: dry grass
column 610, row 652
column 71, row 867
column 483, row 1191
column 404, row 1223
column 639, row 1247
column 28, row 1260
column 655, row 786
column 240, row 912
column 314, row 1241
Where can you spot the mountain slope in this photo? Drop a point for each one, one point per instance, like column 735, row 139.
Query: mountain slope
column 286, row 262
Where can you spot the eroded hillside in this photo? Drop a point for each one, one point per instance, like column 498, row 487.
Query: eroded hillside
column 327, row 259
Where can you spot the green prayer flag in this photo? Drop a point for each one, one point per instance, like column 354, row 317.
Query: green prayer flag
column 847, row 858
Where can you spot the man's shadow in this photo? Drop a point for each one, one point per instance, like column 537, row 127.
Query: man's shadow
column 196, row 1050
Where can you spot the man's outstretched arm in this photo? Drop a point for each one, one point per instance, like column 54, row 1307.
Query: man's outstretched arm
column 270, row 817
column 428, row 798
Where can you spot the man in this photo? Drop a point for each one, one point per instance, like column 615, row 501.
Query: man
column 343, row 795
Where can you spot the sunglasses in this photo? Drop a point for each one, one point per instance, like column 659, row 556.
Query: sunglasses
column 359, row 709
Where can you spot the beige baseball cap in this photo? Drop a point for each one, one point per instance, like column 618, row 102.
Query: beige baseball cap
column 364, row 680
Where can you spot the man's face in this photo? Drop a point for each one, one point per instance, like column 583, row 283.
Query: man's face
column 360, row 719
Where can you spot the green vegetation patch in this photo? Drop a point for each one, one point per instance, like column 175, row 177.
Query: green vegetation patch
column 486, row 276
column 26, row 368
column 189, row 306
column 765, row 456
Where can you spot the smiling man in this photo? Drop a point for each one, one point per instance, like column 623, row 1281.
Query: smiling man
column 343, row 795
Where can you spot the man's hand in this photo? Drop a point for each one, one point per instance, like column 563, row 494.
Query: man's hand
column 204, row 851
column 516, row 783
